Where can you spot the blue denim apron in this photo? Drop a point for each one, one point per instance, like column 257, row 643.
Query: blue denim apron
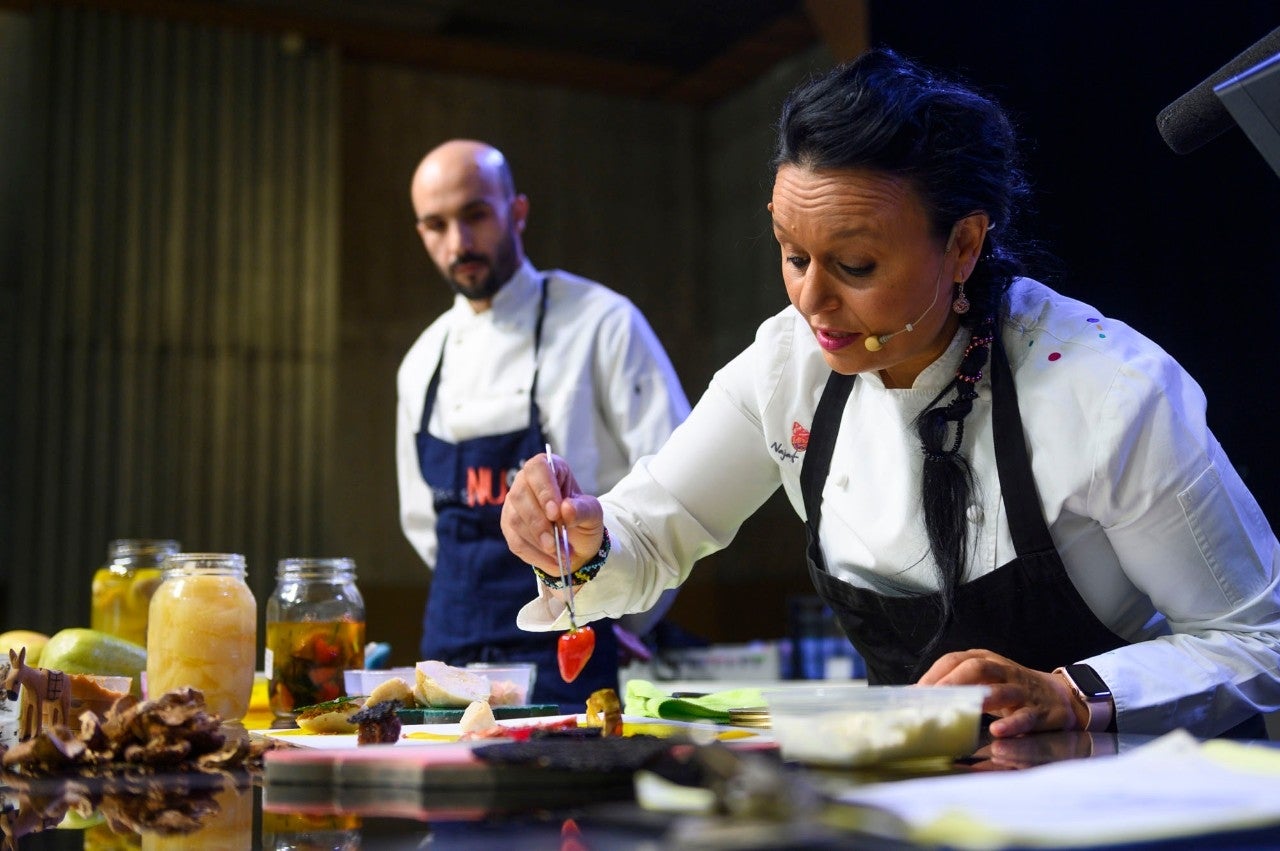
column 478, row 586
column 1027, row 609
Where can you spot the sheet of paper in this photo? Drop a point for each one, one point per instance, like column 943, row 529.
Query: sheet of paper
column 1173, row 786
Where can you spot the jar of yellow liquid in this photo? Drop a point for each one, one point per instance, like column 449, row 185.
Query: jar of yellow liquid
column 202, row 631
column 315, row 631
column 123, row 587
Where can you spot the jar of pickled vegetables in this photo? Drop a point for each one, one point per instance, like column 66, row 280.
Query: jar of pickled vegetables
column 315, row 631
column 202, row 631
column 123, row 587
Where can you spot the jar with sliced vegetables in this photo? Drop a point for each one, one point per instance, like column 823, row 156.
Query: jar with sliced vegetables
column 315, row 631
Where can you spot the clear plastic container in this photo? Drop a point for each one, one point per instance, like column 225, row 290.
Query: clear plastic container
column 202, row 631
column 509, row 683
column 315, row 632
column 862, row 725
column 362, row 682
column 122, row 588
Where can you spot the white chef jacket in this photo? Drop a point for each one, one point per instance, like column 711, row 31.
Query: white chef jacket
column 1157, row 532
column 607, row 392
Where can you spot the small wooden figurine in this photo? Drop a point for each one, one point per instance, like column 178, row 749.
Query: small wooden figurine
column 46, row 695
column 20, row 815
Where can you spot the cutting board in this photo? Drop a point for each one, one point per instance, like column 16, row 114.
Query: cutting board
column 454, row 715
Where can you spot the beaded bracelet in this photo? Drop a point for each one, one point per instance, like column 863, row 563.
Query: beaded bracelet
column 582, row 575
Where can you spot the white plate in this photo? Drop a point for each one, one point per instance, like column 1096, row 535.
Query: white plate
column 448, row 733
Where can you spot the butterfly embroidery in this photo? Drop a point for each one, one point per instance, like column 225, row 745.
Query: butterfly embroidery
column 799, row 437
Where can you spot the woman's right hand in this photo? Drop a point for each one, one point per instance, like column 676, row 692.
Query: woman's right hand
column 536, row 501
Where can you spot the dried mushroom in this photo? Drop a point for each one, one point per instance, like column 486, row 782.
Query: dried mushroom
column 174, row 731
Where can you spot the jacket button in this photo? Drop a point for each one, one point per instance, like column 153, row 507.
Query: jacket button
column 974, row 513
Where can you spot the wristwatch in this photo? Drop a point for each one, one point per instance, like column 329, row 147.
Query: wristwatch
column 1090, row 690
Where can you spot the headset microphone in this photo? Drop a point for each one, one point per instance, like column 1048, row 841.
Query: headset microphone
column 874, row 344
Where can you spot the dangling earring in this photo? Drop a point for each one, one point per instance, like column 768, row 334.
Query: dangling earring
column 961, row 303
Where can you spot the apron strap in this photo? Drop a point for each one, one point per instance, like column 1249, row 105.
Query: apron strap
column 1027, row 526
column 822, row 443
column 534, row 415
column 433, row 385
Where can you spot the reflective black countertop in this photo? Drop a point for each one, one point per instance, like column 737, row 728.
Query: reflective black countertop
column 782, row 806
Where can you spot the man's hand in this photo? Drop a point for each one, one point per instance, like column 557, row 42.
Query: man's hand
column 1023, row 700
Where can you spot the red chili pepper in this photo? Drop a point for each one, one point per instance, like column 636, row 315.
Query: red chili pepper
column 327, row 691
column 571, row 837
column 323, row 651
column 574, row 650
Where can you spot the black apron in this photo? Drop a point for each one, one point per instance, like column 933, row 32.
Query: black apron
column 478, row 586
column 1027, row 609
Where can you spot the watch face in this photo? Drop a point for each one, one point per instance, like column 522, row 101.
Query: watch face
column 1088, row 681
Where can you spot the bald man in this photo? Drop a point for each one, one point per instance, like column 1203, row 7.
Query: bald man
column 523, row 358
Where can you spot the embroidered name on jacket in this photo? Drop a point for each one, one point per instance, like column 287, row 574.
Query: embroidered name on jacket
column 487, row 486
column 799, row 443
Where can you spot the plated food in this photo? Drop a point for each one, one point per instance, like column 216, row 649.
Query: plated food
column 510, row 684
column 437, row 735
column 330, row 717
column 460, row 708
column 436, row 686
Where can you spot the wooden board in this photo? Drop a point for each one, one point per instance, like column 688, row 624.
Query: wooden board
column 454, row 715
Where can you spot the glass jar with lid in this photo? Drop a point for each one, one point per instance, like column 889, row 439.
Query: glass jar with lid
column 202, row 631
column 315, row 631
column 122, row 588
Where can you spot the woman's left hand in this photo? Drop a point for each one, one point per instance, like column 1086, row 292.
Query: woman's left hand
column 1023, row 700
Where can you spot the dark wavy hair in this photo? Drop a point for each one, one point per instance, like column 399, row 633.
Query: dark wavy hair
column 958, row 149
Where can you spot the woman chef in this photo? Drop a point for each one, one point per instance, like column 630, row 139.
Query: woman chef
column 1000, row 484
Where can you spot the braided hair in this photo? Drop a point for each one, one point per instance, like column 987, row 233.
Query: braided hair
column 947, row 476
column 958, row 150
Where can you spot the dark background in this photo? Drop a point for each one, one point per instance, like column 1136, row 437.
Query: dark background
column 1184, row 248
